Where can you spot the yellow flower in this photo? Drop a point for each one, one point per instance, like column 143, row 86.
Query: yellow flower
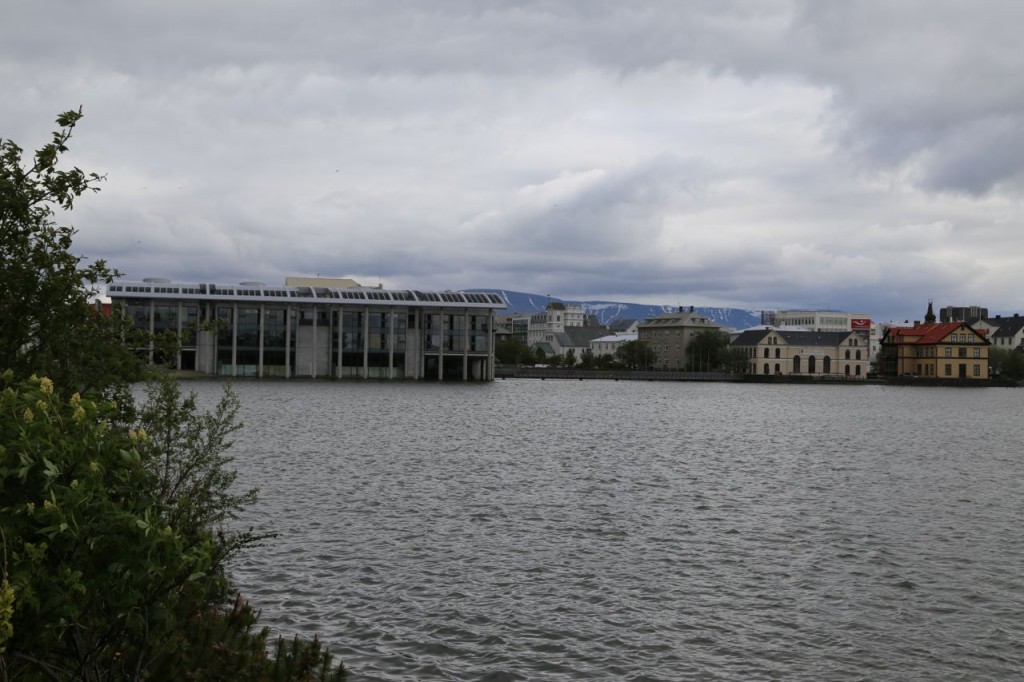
column 30, row 507
column 142, row 435
column 74, row 483
column 27, row 414
column 46, row 385
column 41, row 406
column 47, row 504
column 75, row 398
column 6, row 613
column 79, row 415
column 93, row 466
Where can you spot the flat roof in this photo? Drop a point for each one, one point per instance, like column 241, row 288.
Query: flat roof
column 257, row 292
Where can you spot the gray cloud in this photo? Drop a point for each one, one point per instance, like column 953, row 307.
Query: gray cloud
column 860, row 155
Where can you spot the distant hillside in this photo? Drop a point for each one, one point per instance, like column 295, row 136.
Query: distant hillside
column 608, row 311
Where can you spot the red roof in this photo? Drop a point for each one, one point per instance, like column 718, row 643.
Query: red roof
column 930, row 333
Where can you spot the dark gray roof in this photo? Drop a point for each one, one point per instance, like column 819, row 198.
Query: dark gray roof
column 582, row 336
column 814, row 338
column 752, row 337
column 621, row 324
column 1007, row 326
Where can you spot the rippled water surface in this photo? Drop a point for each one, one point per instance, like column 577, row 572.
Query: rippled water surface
column 528, row 529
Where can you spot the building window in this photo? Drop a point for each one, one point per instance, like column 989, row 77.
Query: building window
column 796, row 364
column 949, row 370
column 777, row 353
column 857, row 370
column 847, row 353
column 766, row 370
column 949, row 353
column 977, row 370
column 962, row 352
column 766, row 355
column 977, row 352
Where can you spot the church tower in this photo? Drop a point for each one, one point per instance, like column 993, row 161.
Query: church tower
column 929, row 317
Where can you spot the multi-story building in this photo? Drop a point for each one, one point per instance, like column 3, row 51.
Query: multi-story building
column 969, row 314
column 1004, row 333
column 826, row 321
column 817, row 354
column 555, row 317
column 515, row 325
column 938, row 350
column 574, row 339
column 669, row 336
column 252, row 329
column 815, row 320
column 609, row 344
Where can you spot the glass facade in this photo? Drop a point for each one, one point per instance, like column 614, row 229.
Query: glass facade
column 285, row 338
column 225, row 340
column 247, row 342
column 274, row 342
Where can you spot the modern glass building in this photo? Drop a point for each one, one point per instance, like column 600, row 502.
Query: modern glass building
column 251, row 329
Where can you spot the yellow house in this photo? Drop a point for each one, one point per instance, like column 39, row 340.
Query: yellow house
column 937, row 350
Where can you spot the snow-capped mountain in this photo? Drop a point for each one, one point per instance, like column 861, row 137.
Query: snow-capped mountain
column 607, row 312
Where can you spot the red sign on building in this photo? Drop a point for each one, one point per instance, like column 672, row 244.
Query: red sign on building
column 860, row 324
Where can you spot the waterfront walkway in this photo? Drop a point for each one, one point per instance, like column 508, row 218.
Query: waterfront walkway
column 613, row 375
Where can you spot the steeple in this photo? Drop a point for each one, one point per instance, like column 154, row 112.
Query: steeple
column 929, row 317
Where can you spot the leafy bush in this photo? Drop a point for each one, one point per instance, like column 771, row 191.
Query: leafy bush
column 113, row 545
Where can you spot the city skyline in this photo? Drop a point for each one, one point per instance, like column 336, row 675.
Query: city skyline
column 775, row 155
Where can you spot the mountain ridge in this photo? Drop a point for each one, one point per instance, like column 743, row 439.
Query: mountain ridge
column 607, row 312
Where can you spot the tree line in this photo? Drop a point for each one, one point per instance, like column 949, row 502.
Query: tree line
column 708, row 351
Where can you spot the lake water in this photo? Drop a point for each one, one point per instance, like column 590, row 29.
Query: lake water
column 559, row 530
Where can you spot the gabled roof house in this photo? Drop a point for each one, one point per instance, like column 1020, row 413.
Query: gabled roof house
column 939, row 350
column 772, row 351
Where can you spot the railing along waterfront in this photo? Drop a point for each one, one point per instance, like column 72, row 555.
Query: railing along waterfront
column 612, row 374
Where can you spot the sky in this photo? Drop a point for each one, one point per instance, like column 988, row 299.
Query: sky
column 773, row 154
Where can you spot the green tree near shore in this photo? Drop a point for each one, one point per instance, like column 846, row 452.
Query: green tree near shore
column 708, row 351
column 47, row 325
column 115, row 521
column 1007, row 364
column 636, row 355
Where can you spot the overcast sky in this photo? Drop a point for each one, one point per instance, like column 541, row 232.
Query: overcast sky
column 864, row 156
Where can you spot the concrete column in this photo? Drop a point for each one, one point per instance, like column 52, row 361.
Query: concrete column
column 288, row 341
column 465, row 344
column 234, row 339
column 366, row 340
column 341, row 341
column 263, row 317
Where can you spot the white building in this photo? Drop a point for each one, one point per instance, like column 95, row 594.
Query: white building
column 252, row 329
column 553, row 320
column 608, row 345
